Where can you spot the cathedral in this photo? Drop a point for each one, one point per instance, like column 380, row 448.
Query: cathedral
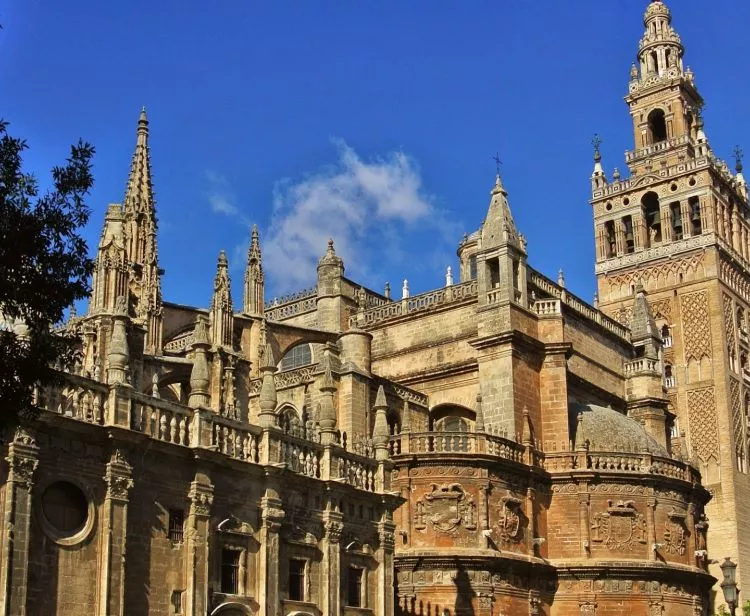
column 494, row 447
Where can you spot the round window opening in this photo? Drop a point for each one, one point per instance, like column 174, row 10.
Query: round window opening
column 65, row 507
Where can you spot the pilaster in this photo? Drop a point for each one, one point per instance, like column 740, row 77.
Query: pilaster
column 386, row 534
column 201, row 498
column 23, row 459
column 331, row 562
column 119, row 479
column 272, row 515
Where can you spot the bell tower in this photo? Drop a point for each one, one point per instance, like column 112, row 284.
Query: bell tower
column 677, row 227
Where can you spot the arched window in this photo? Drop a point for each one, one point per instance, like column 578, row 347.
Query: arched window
column 296, row 357
column 696, row 224
column 452, row 418
column 657, row 126
column 289, row 420
column 452, row 424
column 652, row 214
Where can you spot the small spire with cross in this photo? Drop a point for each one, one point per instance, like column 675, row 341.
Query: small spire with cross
column 738, row 153
column 597, row 142
column 498, row 163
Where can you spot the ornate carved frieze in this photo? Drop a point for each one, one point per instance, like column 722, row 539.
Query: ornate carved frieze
column 620, row 527
column 445, row 508
column 22, row 458
column 587, row 608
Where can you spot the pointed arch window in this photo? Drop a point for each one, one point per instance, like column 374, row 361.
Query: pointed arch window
column 296, row 357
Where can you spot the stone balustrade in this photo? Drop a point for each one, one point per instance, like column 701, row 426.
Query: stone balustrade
column 77, row 397
column 620, row 462
column 547, row 307
column 297, row 449
column 418, row 303
column 642, row 364
column 291, row 305
column 545, row 285
column 236, row 441
column 457, row 442
column 161, row 419
column 656, row 148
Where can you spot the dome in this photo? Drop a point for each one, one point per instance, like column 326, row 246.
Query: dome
column 656, row 8
column 608, row 430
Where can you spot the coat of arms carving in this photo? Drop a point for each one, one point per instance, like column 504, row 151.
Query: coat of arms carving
column 510, row 523
column 675, row 534
column 620, row 527
column 445, row 508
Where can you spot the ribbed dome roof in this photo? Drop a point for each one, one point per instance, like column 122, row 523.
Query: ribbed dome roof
column 608, row 430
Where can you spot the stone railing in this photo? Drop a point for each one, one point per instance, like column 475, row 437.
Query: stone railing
column 286, row 379
column 620, row 462
column 545, row 285
column 296, row 448
column 297, row 455
column 418, row 303
column 354, row 470
column 161, row 419
column 656, row 148
column 78, row 397
column 180, row 343
column 292, row 305
column 547, row 307
column 457, row 442
column 236, row 441
column 642, row 364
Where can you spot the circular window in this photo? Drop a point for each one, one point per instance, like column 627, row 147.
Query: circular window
column 673, row 187
column 626, row 201
column 692, row 181
column 609, row 206
column 65, row 508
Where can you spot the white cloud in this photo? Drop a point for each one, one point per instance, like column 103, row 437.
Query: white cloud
column 354, row 202
column 220, row 196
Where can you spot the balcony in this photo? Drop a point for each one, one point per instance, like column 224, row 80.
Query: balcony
column 657, row 148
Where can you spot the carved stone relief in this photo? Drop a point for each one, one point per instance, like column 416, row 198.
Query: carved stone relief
column 675, row 533
column 702, row 420
column 445, row 508
column 696, row 325
column 620, row 527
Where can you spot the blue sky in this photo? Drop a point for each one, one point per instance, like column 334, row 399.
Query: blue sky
column 374, row 122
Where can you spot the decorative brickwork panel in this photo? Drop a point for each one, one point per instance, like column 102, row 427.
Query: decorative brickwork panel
column 738, row 431
column 729, row 325
column 696, row 325
column 704, row 432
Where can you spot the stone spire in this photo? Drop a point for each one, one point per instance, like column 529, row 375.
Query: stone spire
column 199, row 376
column 327, row 414
column 380, row 429
column 739, row 178
column 254, row 290
column 405, row 418
column 499, row 228
column 222, row 320
column 643, row 330
column 598, row 177
column 139, row 210
column 268, row 398
column 110, row 279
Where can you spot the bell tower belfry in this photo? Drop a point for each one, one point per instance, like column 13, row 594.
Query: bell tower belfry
column 677, row 226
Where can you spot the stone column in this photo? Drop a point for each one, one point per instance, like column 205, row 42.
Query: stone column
column 687, row 225
column 651, row 526
column 114, row 520
column 386, row 534
column 666, row 224
column 201, row 498
column 330, row 592
column 23, row 458
column 620, row 237
column 272, row 515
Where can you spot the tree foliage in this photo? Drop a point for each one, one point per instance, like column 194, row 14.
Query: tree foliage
column 44, row 269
